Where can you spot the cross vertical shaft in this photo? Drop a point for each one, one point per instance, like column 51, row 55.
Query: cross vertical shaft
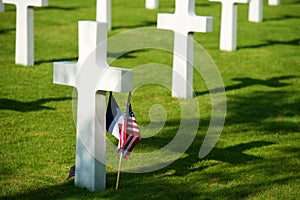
column 152, row 4
column 183, row 22
column 25, row 29
column 104, row 12
column 255, row 11
column 228, row 35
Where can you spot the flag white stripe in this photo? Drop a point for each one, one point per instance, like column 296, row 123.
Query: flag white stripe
column 130, row 144
column 133, row 129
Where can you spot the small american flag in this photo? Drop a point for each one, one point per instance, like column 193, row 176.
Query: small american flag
column 130, row 134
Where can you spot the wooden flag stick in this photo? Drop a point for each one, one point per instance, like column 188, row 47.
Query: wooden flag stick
column 121, row 154
column 119, row 169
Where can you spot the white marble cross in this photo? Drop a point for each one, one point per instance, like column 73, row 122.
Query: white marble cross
column 25, row 29
column 229, row 24
column 152, row 4
column 1, row 6
column 255, row 11
column 183, row 22
column 274, row 2
column 92, row 77
column 104, row 12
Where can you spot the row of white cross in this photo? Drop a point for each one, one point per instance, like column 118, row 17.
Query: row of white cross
column 25, row 31
column 92, row 76
column 153, row 4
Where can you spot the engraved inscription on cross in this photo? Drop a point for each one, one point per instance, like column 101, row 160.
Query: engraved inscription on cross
column 184, row 22
column 92, row 77
column 229, row 23
column 25, row 29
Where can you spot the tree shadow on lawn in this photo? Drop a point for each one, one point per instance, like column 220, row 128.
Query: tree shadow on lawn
column 274, row 82
column 284, row 17
column 265, row 111
column 71, row 8
column 157, row 185
column 6, row 31
column 75, row 59
column 143, row 24
column 10, row 104
column 55, row 60
column 12, row 8
column 295, row 42
column 162, row 184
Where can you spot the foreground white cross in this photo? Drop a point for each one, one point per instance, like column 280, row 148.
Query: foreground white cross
column 104, row 12
column 183, row 22
column 152, row 4
column 229, row 23
column 274, row 2
column 92, row 77
column 1, row 6
column 25, row 29
column 255, row 11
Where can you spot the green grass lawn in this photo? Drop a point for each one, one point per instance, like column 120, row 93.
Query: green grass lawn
column 256, row 157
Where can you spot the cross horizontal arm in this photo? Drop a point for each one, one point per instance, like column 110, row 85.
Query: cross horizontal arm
column 64, row 73
column 37, row 3
column 185, row 24
column 115, row 80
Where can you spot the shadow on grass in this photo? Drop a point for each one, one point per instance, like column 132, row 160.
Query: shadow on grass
column 55, row 60
column 284, row 17
column 75, row 59
column 235, row 154
column 10, row 104
column 274, row 82
column 6, row 31
column 295, row 42
column 183, row 179
column 61, row 8
column 268, row 112
column 143, row 24
column 156, row 185
column 203, row 4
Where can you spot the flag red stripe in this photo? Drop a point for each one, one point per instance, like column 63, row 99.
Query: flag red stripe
column 130, row 146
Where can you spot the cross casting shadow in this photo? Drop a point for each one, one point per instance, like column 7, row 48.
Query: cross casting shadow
column 143, row 24
column 284, row 17
column 6, row 31
column 295, row 42
column 203, row 4
column 39, row 62
column 10, row 104
column 293, row 2
column 261, row 111
column 235, row 154
column 247, row 82
column 75, row 59
column 120, row 55
column 62, row 8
